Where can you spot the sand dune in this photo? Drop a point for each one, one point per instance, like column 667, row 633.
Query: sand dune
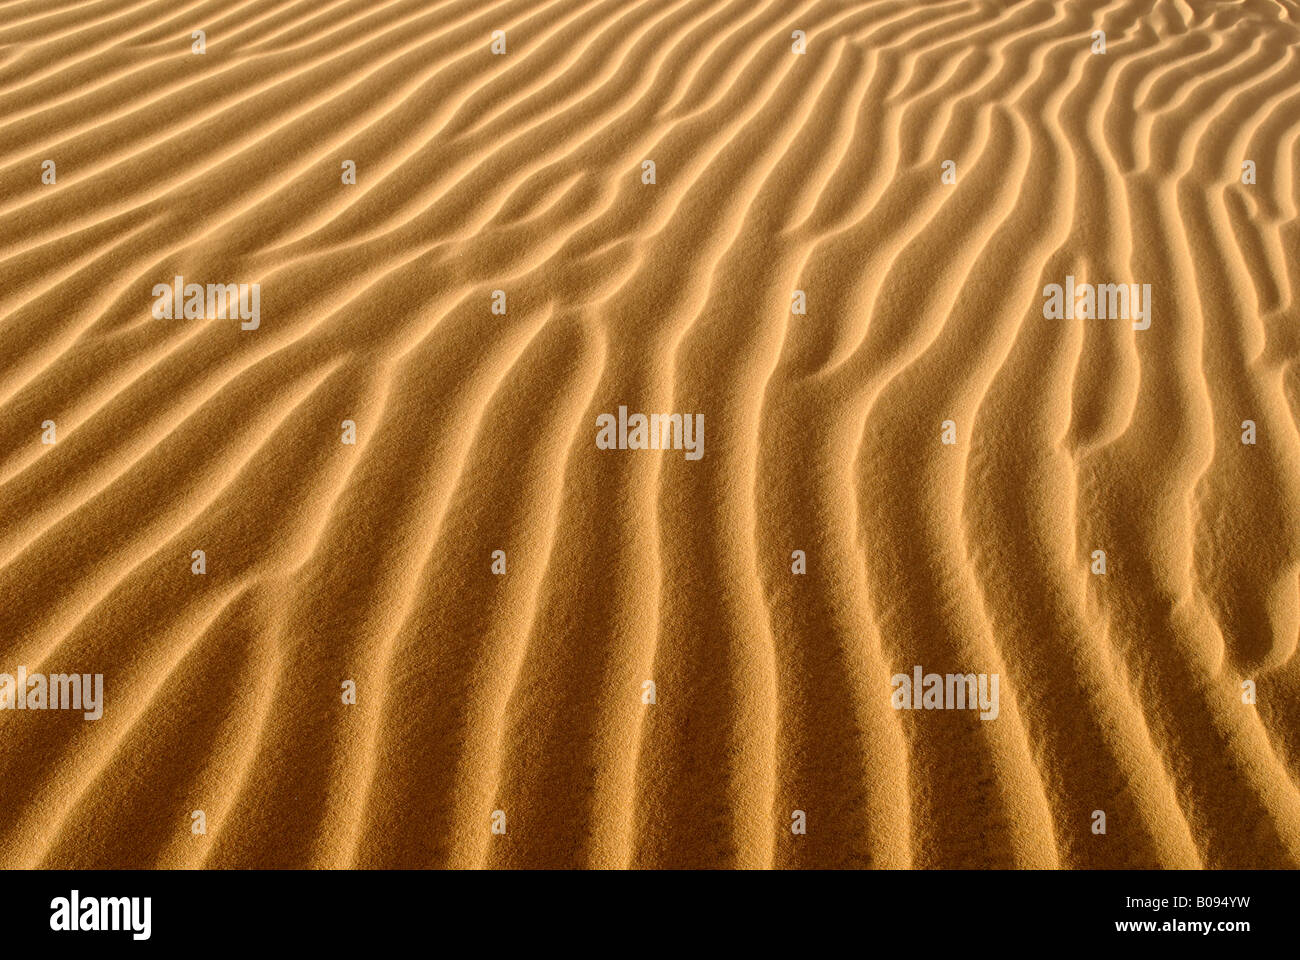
column 838, row 262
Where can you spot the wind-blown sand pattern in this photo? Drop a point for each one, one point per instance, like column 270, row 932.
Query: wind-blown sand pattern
column 475, row 432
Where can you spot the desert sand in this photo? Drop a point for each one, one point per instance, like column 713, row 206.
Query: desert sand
column 476, row 637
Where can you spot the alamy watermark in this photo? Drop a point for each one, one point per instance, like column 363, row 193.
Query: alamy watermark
column 215, row 301
column 1099, row 301
column 658, row 431
column 948, row 691
column 58, row 691
column 75, row 912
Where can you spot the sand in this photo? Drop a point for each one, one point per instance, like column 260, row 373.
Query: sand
column 350, row 675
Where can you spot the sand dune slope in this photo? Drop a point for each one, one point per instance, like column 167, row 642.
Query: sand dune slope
column 838, row 260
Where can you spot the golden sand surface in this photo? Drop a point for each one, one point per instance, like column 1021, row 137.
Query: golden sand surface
column 838, row 262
